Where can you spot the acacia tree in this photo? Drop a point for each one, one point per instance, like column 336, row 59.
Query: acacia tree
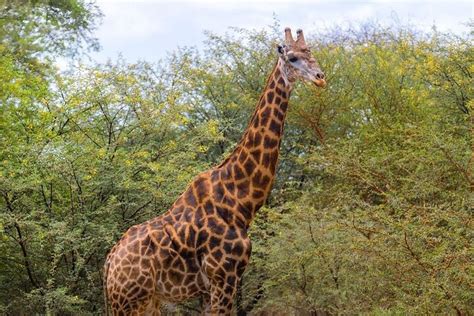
column 382, row 222
column 31, row 32
column 39, row 28
column 369, row 212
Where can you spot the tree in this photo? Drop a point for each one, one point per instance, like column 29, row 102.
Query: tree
column 370, row 210
column 382, row 219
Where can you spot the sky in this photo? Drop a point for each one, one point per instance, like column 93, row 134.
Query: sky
column 150, row 29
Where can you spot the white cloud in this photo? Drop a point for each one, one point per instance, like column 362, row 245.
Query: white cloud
column 147, row 29
column 124, row 20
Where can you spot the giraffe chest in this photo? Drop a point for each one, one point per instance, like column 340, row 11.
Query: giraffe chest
column 186, row 263
column 174, row 285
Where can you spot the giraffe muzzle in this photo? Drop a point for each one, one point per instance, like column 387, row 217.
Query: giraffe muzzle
column 320, row 83
column 319, row 80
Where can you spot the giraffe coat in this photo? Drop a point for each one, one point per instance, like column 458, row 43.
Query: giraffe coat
column 200, row 246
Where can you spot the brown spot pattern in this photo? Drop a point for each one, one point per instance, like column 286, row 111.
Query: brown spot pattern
column 203, row 236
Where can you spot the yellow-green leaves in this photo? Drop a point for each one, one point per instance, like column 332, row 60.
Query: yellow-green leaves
column 371, row 210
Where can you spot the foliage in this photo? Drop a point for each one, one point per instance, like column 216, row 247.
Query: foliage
column 371, row 212
column 29, row 28
column 382, row 221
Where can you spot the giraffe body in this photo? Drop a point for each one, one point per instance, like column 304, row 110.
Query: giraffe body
column 200, row 247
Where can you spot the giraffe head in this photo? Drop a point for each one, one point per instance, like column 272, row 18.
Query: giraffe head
column 297, row 60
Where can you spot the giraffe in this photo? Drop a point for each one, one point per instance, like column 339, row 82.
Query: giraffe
column 200, row 246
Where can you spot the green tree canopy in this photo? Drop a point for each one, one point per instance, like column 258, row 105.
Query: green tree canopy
column 372, row 209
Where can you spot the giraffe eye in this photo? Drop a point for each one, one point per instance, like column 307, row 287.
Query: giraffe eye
column 292, row 59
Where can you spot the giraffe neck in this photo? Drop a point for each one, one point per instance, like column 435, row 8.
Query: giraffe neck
column 253, row 162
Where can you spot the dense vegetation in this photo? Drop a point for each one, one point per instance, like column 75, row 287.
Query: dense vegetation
column 372, row 208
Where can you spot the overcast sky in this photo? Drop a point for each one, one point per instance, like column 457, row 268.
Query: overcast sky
column 148, row 29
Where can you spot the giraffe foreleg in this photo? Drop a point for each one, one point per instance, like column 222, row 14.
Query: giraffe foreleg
column 222, row 293
column 224, row 273
column 153, row 307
